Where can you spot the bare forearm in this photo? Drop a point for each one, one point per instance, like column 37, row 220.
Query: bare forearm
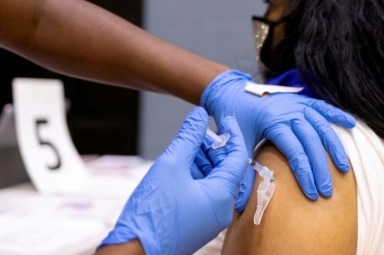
column 132, row 248
column 79, row 39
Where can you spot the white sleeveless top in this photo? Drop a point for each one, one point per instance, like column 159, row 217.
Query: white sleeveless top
column 366, row 153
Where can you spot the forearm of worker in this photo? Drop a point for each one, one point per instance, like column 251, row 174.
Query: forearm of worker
column 131, row 248
column 79, row 39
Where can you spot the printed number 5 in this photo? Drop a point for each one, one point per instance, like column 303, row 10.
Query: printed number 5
column 42, row 142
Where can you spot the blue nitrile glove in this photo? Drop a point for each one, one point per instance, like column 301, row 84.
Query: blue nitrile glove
column 297, row 125
column 172, row 213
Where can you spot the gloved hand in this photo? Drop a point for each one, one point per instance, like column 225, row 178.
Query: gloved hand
column 297, row 125
column 172, row 213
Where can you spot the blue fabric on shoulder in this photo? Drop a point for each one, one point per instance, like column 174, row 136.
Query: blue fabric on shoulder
column 290, row 78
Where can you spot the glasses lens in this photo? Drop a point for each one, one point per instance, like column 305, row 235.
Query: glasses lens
column 260, row 30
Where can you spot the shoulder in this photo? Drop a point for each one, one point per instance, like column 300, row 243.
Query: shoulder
column 293, row 224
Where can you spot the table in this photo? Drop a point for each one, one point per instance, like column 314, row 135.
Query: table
column 70, row 224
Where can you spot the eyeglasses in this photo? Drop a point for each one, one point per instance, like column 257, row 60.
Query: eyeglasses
column 262, row 27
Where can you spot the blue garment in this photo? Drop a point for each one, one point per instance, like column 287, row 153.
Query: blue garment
column 291, row 78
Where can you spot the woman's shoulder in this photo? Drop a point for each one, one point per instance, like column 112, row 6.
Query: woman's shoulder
column 366, row 153
column 293, row 224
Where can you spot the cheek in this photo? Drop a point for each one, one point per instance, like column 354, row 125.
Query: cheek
column 276, row 9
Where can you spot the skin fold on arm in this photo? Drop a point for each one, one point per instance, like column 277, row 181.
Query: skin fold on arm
column 293, row 224
column 80, row 39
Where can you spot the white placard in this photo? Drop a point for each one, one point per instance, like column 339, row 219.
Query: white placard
column 46, row 147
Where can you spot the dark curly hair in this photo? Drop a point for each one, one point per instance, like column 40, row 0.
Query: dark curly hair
column 338, row 48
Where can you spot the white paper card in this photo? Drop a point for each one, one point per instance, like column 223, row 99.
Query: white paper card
column 46, row 147
column 262, row 89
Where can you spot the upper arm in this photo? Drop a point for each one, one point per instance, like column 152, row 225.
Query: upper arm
column 18, row 19
column 293, row 224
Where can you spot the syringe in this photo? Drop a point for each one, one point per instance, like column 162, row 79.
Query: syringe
column 221, row 140
column 218, row 140
column 262, row 170
column 267, row 186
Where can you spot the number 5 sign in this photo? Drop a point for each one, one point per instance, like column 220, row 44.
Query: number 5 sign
column 46, row 147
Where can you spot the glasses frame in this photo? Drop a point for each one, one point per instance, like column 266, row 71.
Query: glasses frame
column 270, row 22
column 262, row 27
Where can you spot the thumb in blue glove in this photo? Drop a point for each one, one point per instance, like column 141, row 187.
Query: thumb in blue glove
column 297, row 125
column 172, row 213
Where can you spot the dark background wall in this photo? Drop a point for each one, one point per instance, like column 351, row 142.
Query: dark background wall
column 102, row 119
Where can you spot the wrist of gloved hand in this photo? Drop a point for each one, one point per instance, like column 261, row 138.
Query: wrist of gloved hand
column 220, row 85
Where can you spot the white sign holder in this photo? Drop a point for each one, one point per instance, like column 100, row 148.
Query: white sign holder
column 49, row 155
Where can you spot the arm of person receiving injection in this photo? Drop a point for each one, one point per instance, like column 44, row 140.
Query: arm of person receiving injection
column 267, row 186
